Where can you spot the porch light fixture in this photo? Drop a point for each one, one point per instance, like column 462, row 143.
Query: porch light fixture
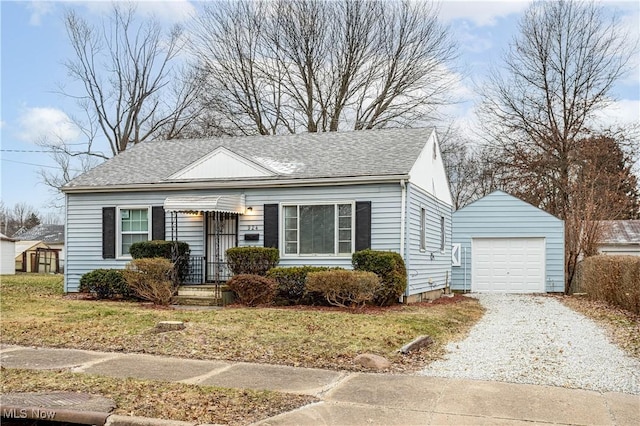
column 249, row 210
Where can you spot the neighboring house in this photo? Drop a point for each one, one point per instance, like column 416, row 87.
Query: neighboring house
column 620, row 237
column 7, row 250
column 36, row 256
column 505, row 245
column 317, row 197
column 50, row 234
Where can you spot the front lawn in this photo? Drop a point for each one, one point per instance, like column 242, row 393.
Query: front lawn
column 35, row 312
column 157, row 399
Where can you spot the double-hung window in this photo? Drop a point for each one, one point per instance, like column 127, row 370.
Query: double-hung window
column 133, row 226
column 318, row 229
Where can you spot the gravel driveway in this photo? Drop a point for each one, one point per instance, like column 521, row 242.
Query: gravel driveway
column 538, row 340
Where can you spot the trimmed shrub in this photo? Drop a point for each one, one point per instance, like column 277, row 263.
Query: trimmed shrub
column 613, row 279
column 252, row 260
column 291, row 285
column 253, row 290
column 344, row 288
column 150, row 279
column 387, row 265
column 105, row 284
column 162, row 248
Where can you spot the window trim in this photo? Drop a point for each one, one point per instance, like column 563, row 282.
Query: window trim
column 336, row 242
column 423, row 229
column 119, row 209
column 443, row 236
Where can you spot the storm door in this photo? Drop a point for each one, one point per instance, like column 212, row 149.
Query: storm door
column 221, row 234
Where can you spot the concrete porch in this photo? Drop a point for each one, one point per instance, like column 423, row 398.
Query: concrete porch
column 204, row 295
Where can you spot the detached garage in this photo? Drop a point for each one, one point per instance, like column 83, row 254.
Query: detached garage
column 502, row 244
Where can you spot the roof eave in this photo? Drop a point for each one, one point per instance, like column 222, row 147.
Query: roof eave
column 239, row 184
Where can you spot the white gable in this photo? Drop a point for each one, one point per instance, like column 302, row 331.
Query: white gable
column 222, row 163
column 428, row 171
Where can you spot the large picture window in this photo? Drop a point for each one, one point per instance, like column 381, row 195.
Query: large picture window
column 318, row 229
column 134, row 226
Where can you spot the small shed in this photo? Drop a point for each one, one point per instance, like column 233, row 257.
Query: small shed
column 36, row 256
column 620, row 237
column 50, row 234
column 7, row 251
column 502, row 244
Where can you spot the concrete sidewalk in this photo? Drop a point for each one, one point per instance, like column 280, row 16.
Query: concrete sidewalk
column 355, row 398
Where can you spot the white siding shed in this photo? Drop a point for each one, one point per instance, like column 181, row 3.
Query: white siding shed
column 7, row 255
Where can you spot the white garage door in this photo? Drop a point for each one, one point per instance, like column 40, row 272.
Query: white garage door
column 508, row 265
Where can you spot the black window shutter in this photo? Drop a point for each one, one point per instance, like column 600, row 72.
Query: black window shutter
column 363, row 225
column 271, row 225
column 157, row 223
column 108, row 232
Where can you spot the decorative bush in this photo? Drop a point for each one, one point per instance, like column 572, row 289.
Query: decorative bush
column 344, row 288
column 387, row 265
column 252, row 260
column 162, row 248
column 150, row 279
column 253, row 290
column 105, row 284
column 291, row 285
column 613, row 279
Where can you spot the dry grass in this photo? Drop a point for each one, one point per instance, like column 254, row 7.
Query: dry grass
column 35, row 312
column 175, row 401
column 622, row 326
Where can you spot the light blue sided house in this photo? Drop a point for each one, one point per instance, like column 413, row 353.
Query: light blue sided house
column 316, row 197
column 502, row 244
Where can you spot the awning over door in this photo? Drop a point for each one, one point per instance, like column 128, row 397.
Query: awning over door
column 210, row 203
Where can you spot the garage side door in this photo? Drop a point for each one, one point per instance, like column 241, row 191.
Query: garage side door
column 508, row 265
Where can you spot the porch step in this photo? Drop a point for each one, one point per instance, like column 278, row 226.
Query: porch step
column 200, row 290
column 196, row 301
column 204, row 295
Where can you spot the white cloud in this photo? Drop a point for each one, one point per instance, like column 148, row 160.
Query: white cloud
column 46, row 124
column 481, row 13
column 625, row 111
column 39, row 9
column 471, row 39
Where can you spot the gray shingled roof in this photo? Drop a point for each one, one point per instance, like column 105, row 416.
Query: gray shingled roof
column 48, row 233
column 308, row 155
column 621, row 232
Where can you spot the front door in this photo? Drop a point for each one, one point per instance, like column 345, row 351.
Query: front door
column 222, row 234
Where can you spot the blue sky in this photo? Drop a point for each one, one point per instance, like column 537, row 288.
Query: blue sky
column 34, row 47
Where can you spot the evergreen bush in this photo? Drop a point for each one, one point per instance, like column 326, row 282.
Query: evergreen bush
column 387, row 265
column 252, row 260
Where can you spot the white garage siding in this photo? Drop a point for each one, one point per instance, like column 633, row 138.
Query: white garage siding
column 498, row 219
column 508, row 265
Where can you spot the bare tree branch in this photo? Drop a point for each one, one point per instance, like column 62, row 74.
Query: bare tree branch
column 539, row 109
column 300, row 65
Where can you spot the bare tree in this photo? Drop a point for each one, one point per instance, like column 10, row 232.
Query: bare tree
column 299, row 65
column 21, row 215
column 133, row 89
column 604, row 188
column 461, row 163
column 125, row 69
column 558, row 73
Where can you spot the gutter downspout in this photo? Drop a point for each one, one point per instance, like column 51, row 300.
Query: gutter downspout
column 66, row 243
column 403, row 227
